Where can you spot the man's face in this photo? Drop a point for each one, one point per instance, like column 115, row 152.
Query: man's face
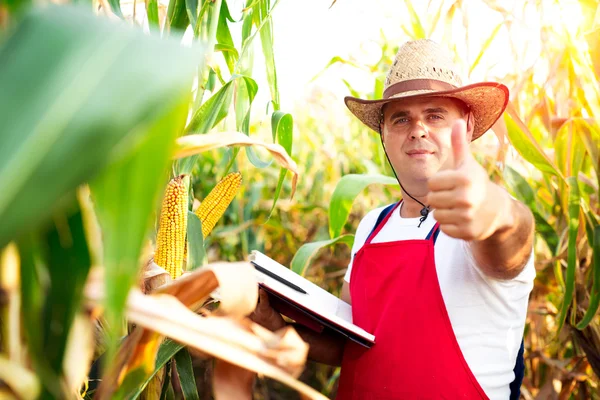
column 417, row 136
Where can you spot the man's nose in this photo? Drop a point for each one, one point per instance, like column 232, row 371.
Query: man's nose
column 419, row 130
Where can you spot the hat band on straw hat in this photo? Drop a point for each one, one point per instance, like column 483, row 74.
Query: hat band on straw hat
column 416, row 84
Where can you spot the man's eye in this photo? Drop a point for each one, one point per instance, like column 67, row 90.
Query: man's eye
column 436, row 116
column 400, row 121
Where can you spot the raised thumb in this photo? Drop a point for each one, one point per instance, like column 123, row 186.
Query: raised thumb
column 460, row 145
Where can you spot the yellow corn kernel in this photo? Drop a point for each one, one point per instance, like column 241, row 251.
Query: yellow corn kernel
column 217, row 201
column 172, row 229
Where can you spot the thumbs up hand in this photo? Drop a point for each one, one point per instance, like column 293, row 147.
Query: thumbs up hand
column 467, row 204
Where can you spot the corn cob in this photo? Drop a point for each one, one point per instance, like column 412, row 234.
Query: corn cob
column 217, row 201
column 170, row 240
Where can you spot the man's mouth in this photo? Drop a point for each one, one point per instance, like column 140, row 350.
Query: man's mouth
column 419, row 153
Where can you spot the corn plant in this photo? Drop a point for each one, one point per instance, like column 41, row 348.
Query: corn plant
column 84, row 171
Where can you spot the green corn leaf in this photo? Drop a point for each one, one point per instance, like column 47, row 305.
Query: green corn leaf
column 211, row 83
column 247, row 24
column 353, row 92
column 246, row 92
column 525, row 193
column 591, row 222
column 378, row 89
column 524, row 142
column 255, row 159
column 93, row 106
column 335, row 60
column 55, row 263
column 191, row 7
column 177, row 16
column 224, row 40
column 90, row 105
column 266, row 38
column 216, row 108
column 595, row 294
column 152, row 12
column 308, row 251
column 136, row 381
column 170, row 393
column 253, row 17
column 195, row 242
column 205, row 118
column 417, row 28
column 569, row 148
column 574, row 208
column 344, row 194
column 282, row 127
column 519, row 186
column 125, row 196
column 204, row 32
column 227, row 49
column 16, row 7
column 590, row 136
column 34, row 283
column 208, row 21
column 547, row 232
column 212, row 111
column 68, row 261
column 115, row 6
column 183, row 363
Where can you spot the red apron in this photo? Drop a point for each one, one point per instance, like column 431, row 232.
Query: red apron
column 396, row 296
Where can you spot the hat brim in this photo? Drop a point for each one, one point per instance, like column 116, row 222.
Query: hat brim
column 487, row 101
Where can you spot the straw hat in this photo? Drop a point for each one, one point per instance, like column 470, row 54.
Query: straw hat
column 422, row 68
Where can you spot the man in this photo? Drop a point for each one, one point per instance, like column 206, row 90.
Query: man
column 441, row 278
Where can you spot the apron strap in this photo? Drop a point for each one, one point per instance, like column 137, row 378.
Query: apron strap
column 433, row 233
column 383, row 216
column 519, row 370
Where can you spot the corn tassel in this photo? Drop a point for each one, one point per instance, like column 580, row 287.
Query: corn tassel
column 171, row 237
column 217, row 201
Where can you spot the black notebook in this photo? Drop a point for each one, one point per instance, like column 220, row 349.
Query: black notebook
column 306, row 303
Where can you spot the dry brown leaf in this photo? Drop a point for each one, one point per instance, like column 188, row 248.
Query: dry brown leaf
column 238, row 288
column 153, row 389
column 19, row 379
column 232, row 382
column 154, row 277
column 192, row 288
column 111, row 378
column 286, row 349
column 568, row 385
column 239, row 342
column 10, row 288
column 194, row 144
column 79, row 352
column 236, row 283
column 144, row 353
column 549, row 391
column 220, row 337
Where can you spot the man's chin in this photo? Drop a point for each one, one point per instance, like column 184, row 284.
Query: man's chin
column 420, row 175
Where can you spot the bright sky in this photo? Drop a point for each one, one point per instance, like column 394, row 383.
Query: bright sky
column 309, row 33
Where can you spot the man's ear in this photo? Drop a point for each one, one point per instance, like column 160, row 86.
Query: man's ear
column 470, row 125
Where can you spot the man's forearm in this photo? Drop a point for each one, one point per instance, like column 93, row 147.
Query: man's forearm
column 325, row 348
column 504, row 254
